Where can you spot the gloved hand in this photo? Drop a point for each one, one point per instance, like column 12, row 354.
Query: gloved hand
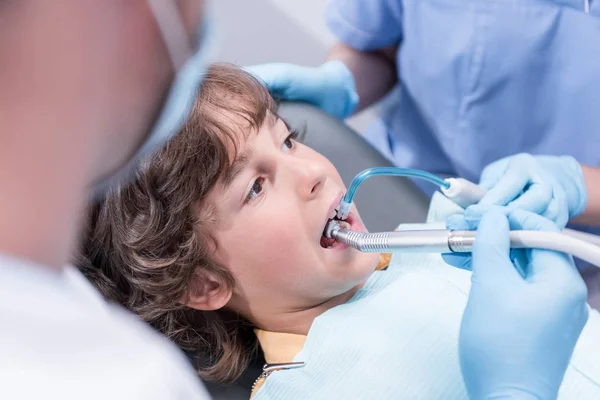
column 330, row 87
column 551, row 186
column 469, row 221
column 518, row 334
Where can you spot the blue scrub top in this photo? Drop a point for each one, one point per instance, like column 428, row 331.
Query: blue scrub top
column 480, row 80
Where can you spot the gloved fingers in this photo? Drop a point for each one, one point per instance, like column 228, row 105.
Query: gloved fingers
column 558, row 271
column 353, row 101
column 583, row 310
column 275, row 76
column 520, row 259
column 528, row 221
column 544, row 264
column 290, row 82
column 493, row 172
column 557, row 211
column 345, row 102
column 517, row 176
column 573, row 182
column 509, row 187
column 491, row 260
column 330, row 87
column 536, row 198
column 458, row 260
column 473, row 214
column 457, row 222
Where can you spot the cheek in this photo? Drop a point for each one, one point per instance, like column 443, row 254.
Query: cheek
column 332, row 172
column 259, row 251
column 370, row 260
column 329, row 168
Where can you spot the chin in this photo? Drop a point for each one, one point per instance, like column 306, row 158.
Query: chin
column 363, row 264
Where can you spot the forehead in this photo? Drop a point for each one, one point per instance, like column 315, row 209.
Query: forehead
column 241, row 152
column 244, row 130
column 236, row 132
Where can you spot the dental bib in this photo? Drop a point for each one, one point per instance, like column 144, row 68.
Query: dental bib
column 397, row 338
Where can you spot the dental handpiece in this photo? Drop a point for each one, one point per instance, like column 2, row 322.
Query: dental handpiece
column 446, row 241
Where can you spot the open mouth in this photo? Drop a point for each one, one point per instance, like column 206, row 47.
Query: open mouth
column 328, row 243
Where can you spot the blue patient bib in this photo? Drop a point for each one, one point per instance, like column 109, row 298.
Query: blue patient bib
column 397, row 338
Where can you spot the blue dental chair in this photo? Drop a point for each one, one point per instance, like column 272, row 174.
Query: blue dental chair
column 384, row 202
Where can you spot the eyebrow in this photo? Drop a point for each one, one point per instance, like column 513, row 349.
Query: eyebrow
column 243, row 159
column 237, row 166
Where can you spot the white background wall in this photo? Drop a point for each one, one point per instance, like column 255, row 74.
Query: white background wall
column 256, row 31
column 259, row 31
column 303, row 13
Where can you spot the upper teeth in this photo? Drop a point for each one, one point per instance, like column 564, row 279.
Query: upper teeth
column 333, row 214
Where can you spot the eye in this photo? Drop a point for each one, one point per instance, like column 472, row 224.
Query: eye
column 256, row 190
column 288, row 143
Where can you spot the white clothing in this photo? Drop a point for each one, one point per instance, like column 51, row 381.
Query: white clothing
column 60, row 340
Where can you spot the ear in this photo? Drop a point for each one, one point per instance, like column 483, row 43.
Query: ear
column 207, row 293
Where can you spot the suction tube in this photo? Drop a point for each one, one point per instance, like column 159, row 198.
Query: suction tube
column 459, row 190
column 346, row 203
column 445, row 241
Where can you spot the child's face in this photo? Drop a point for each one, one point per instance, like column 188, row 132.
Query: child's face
column 271, row 220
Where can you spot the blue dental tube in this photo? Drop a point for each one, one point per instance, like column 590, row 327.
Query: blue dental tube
column 346, row 203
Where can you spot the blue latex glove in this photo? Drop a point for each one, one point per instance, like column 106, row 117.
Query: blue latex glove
column 469, row 221
column 518, row 334
column 551, row 186
column 330, row 87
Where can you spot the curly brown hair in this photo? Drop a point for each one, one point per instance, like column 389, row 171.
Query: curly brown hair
column 144, row 243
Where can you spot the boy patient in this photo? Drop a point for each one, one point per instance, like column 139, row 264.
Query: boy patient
column 220, row 234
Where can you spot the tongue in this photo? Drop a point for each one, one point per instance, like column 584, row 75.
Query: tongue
column 326, row 242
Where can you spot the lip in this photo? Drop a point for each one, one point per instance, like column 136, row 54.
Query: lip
column 355, row 224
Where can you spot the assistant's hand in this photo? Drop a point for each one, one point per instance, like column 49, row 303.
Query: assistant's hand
column 551, row 186
column 330, row 87
column 518, row 334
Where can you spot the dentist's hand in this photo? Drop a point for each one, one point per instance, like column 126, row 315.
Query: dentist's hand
column 518, row 334
column 551, row 186
column 330, row 87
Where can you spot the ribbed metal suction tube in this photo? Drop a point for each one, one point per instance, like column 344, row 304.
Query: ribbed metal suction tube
column 390, row 242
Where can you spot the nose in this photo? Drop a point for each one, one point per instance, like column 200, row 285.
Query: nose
column 310, row 178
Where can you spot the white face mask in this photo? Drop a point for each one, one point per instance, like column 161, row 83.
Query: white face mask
column 190, row 64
